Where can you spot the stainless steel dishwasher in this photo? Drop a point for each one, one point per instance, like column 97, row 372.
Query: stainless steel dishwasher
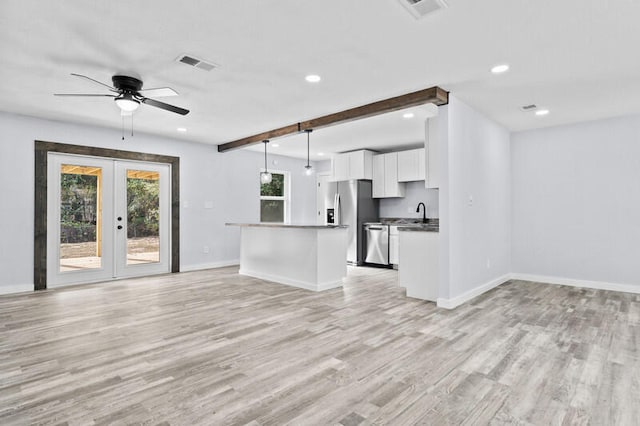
column 377, row 236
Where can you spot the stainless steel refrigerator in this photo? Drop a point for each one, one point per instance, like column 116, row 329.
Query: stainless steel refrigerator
column 351, row 203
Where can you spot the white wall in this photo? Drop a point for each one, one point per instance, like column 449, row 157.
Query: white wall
column 229, row 180
column 478, row 166
column 576, row 201
column 415, row 192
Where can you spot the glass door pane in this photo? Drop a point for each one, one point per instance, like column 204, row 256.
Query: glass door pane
column 80, row 217
column 143, row 217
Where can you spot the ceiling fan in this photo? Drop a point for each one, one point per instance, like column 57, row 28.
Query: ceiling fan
column 128, row 94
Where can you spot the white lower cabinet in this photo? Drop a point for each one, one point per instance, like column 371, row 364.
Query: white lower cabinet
column 418, row 254
column 393, row 245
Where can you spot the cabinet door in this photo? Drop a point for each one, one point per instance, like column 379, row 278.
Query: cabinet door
column 392, row 188
column 422, row 156
column 393, row 249
column 356, row 165
column 378, row 176
column 407, row 166
column 341, row 167
column 390, row 174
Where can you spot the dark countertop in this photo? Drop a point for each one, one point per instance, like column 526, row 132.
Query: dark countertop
column 412, row 224
column 284, row 225
column 422, row 228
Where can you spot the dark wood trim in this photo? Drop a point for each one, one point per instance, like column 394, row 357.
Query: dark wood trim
column 433, row 95
column 40, row 221
column 43, row 148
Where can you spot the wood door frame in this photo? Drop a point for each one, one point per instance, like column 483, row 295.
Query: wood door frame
column 43, row 148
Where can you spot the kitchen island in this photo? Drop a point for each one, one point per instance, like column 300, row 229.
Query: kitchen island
column 312, row 257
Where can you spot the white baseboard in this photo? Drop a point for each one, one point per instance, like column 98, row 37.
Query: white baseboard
column 291, row 282
column 595, row 285
column 475, row 292
column 17, row 288
column 213, row 265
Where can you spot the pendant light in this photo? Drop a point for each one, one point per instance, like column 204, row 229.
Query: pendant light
column 265, row 177
column 308, row 169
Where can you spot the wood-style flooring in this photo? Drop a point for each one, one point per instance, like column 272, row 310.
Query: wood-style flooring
column 214, row 348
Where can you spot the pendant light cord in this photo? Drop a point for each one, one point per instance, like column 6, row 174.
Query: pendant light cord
column 265, row 154
column 308, row 133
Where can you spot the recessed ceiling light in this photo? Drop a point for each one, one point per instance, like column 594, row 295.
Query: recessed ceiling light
column 321, row 154
column 181, row 129
column 499, row 69
column 408, row 115
column 275, row 145
column 542, row 112
column 313, row 78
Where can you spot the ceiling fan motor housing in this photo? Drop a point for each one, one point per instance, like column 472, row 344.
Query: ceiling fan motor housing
column 126, row 84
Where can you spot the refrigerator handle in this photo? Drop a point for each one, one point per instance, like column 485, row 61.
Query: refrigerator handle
column 336, row 210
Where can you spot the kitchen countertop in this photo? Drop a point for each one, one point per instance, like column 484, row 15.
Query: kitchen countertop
column 284, row 225
column 412, row 224
column 418, row 228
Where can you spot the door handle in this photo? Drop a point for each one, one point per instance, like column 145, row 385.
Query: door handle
column 119, row 226
column 374, row 229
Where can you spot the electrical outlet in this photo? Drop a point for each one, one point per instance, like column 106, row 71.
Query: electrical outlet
column 488, row 263
column 205, row 249
column 185, row 204
column 410, row 210
column 208, row 204
column 470, row 202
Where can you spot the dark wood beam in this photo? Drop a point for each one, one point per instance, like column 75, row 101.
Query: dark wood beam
column 434, row 95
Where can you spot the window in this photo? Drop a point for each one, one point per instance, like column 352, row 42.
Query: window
column 274, row 199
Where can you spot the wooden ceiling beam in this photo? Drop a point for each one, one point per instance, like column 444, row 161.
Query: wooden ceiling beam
column 434, row 95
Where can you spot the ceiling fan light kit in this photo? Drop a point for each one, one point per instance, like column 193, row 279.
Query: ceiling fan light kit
column 128, row 94
column 127, row 103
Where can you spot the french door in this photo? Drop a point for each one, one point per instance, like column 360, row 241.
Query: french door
column 106, row 219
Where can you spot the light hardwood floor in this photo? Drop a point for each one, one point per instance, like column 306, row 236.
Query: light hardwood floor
column 214, row 348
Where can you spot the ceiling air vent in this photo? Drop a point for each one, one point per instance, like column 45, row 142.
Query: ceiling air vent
column 196, row 62
column 527, row 108
column 420, row 8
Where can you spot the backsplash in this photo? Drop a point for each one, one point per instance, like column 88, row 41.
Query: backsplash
column 415, row 192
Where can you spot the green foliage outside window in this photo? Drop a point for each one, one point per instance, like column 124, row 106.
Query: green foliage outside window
column 273, row 210
column 143, row 207
column 275, row 188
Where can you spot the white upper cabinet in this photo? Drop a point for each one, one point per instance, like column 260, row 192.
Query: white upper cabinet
column 352, row 165
column 340, row 167
column 411, row 165
column 432, row 153
column 385, row 176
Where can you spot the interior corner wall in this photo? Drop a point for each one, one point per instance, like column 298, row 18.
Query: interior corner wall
column 478, row 208
column 576, row 202
column 229, row 180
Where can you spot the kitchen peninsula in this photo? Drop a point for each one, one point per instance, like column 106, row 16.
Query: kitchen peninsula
column 312, row 257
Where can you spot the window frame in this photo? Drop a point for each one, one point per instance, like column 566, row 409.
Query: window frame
column 286, row 195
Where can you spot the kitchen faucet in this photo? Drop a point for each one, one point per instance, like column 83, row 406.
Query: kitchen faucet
column 424, row 212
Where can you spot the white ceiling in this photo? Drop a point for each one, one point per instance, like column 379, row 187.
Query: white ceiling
column 577, row 58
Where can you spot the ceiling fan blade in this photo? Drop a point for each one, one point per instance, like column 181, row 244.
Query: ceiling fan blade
column 164, row 106
column 158, row 92
column 95, row 81
column 83, row 94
